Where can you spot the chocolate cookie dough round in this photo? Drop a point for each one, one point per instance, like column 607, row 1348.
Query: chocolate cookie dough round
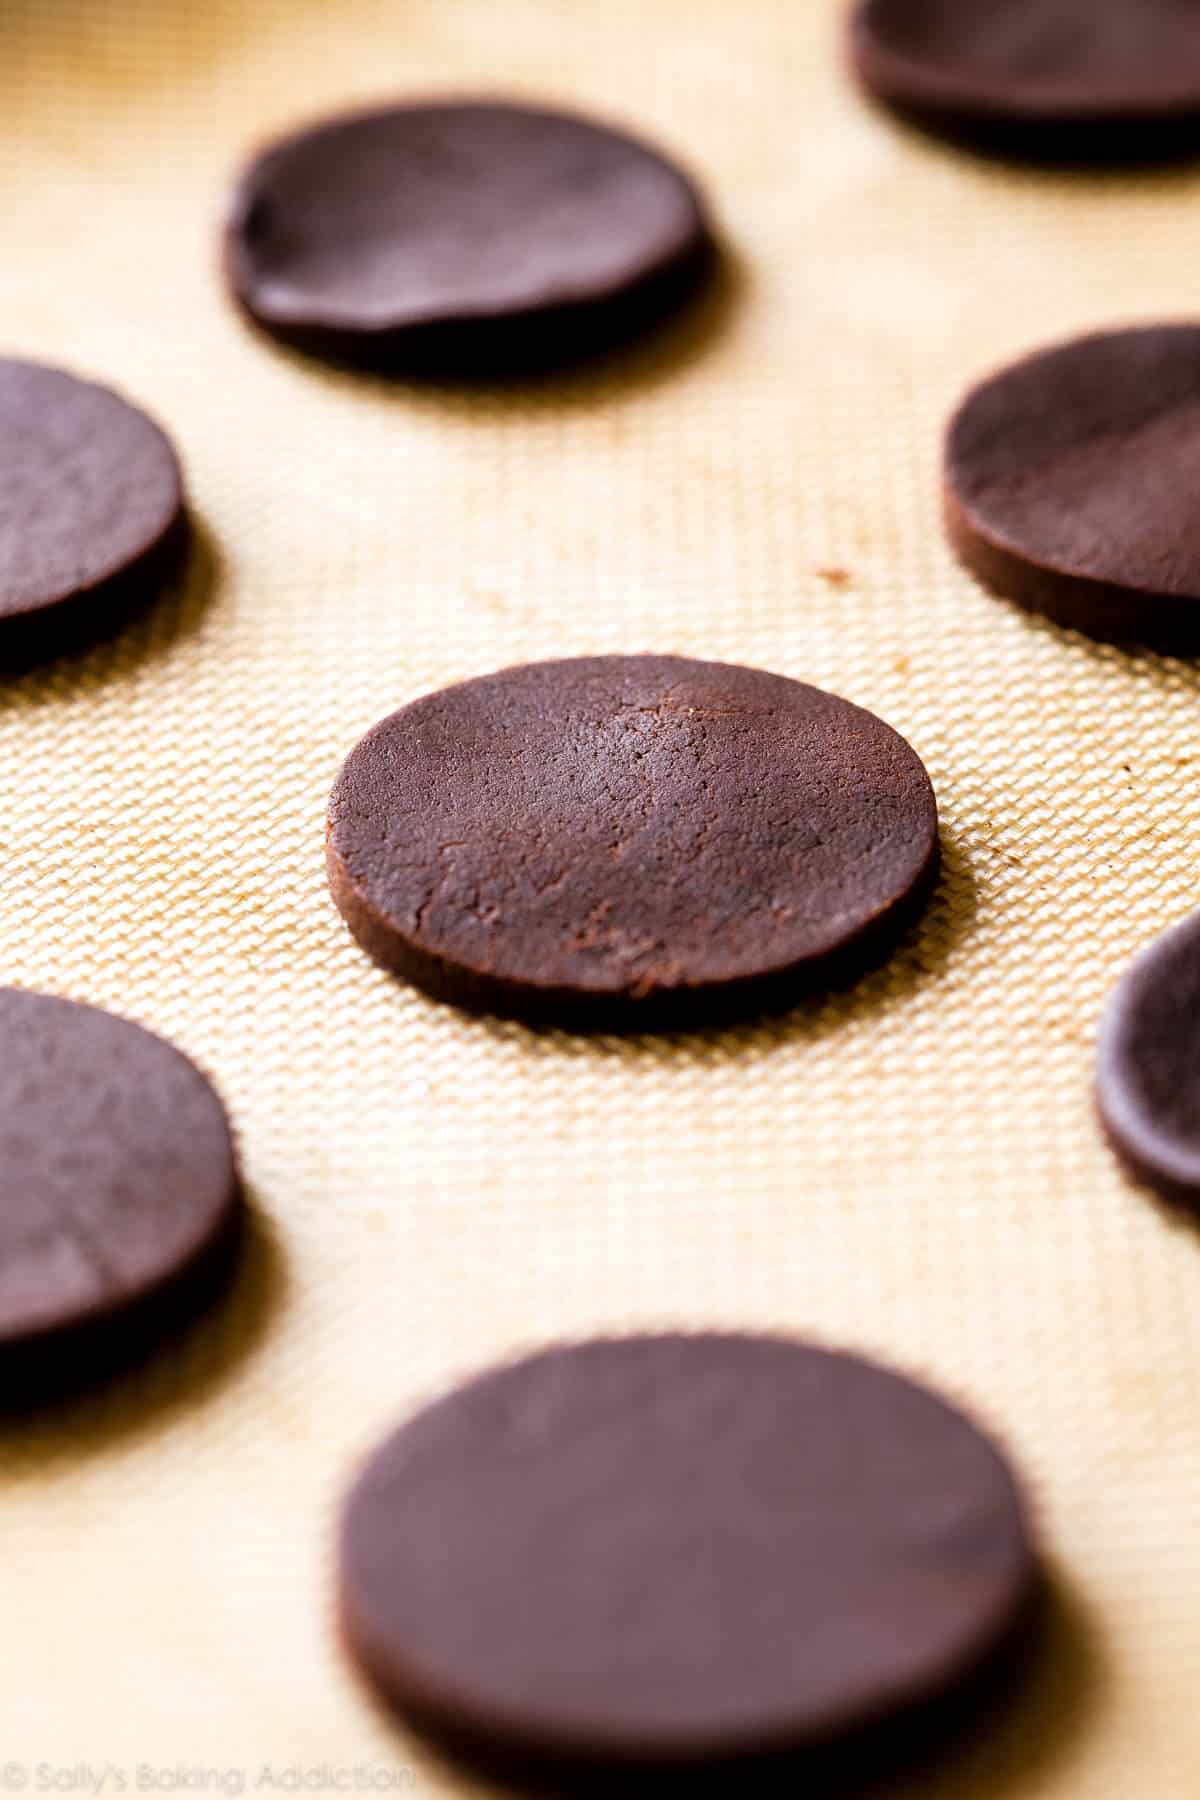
column 119, row 1195
column 1114, row 80
column 623, row 841
column 1148, row 1068
column 91, row 509
column 680, row 1550
column 1069, row 481
column 466, row 237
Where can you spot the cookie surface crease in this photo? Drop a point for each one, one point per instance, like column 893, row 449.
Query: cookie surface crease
column 462, row 237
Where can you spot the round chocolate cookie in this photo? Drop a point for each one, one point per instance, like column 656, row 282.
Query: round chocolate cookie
column 1148, row 1069
column 119, row 1195
column 1069, row 480
column 1107, row 80
column 463, row 237
column 91, row 509
column 681, row 1550
column 629, row 841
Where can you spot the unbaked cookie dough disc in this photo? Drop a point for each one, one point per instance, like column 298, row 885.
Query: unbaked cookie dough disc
column 119, row 1194
column 1108, row 80
column 1148, row 1072
column 1070, row 482
column 462, row 237
column 91, row 510
column 628, row 841
column 681, row 1550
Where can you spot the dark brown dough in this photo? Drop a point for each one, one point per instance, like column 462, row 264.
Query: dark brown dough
column 463, row 237
column 1090, row 80
column 91, row 510
column 677, row 1550
column 1069, row 484
column 119, row 1194
column 630, row 840
column 1148, row 1068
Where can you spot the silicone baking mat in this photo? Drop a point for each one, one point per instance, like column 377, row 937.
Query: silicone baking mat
column 912, row 1168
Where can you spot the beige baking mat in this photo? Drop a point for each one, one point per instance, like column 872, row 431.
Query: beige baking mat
column 913, row 1169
